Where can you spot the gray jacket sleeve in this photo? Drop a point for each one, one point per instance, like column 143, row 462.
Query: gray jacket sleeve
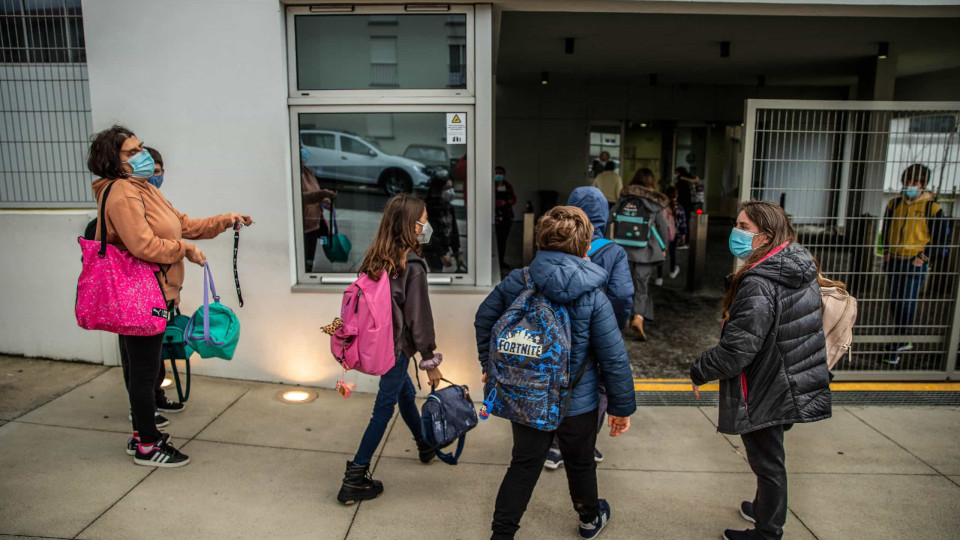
column 417, row 314
column 660, row 223
column 751, row 320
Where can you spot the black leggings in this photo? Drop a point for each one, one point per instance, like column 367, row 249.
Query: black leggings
column 578, row 437
column 141, row 356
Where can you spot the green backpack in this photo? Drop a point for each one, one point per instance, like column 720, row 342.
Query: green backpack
column 219, row 328
column 336, row 246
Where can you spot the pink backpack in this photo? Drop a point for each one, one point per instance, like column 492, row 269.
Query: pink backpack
column 364, row 340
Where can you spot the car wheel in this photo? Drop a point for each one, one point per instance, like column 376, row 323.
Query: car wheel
column 394, row 181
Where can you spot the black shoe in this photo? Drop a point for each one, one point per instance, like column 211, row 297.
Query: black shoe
column 426, row 451
column 168, row 406
column 358, row 485
column 731, row 534
column 159, row 420
column 162, row 455
column 746, row 511
column 132, row 443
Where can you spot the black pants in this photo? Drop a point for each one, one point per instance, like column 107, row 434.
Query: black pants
column 310, row 247
column 159, row 394
column 503, row 232
column 672, row 250
column 765, row 453
column 578, row 437
column 141, row 356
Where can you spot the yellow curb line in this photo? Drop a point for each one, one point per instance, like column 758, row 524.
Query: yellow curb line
column 683, row 385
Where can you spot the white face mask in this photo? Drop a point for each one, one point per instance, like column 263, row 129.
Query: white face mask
column 424, row 237
column 448, row 195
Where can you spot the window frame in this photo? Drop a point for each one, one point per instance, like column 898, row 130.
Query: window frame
column 305, row 278
column 377, row 94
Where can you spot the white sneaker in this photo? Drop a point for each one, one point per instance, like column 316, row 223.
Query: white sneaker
column 658, row 282
column 675, row 272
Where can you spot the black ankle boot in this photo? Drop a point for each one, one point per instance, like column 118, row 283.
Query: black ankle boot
column 358, row 485
column 426, row 451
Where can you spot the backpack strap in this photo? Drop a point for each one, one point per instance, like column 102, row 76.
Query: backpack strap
column 598, row 245
column 527, row 279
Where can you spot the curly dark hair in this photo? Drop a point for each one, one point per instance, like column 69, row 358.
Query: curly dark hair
column 104, row 157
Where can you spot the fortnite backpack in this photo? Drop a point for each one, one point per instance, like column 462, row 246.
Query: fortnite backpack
column 633, row 225
column 528, row 381
column 363, row 335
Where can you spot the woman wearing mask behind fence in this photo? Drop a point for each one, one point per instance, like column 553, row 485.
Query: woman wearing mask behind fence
column 139, row 219
column 771, row 360
column 314, row 200
column 444, row 245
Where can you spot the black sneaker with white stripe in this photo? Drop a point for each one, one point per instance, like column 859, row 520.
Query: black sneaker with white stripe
column 165, row 405
column 162, row 455
column 132, row 443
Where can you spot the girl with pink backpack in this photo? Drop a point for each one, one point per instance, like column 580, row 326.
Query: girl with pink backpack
column 394, row 256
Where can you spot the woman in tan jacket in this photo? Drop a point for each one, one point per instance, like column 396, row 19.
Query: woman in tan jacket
column 140, row 220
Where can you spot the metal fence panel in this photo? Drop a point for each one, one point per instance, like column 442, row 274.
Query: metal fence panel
column 45, row 118
column 839, row 170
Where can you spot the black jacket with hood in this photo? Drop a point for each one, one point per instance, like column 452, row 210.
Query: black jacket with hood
column 771, row 360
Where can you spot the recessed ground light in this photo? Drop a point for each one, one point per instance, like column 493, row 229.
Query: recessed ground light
column 166, row 382
column 296, row 396
column 544, row 77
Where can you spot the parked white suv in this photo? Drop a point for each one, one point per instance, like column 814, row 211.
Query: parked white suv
column 344, row 157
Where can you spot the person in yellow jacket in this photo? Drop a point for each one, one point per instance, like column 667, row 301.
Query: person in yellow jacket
column 915, row 232
column 609, row 183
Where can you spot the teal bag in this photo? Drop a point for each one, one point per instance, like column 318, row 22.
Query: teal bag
column 219, row 327
column 337, row 246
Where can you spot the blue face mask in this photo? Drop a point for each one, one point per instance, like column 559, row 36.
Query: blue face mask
column 156, row 180
column 498, row 178
column 741, row 243
column 304, row 155
column 911, row 192
column 142, row 165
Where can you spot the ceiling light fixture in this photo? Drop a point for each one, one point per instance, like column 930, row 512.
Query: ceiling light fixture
column 544, row 78
column 724, row 49
column 883, row 50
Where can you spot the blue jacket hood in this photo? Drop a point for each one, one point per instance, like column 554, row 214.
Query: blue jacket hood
column 563, row 278
column 594, row 204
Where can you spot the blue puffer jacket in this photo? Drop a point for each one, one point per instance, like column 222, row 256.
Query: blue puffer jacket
column 575, row 282
column 613, row 258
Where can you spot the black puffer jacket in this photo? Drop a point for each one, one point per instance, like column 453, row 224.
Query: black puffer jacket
column 771, row 360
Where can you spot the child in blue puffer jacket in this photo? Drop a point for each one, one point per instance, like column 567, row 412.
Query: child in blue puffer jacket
column 619, row 287
column 563, row 274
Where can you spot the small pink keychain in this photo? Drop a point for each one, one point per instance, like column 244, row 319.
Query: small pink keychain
column 345, row 388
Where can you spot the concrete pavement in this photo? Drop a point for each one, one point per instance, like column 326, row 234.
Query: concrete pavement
column 265, row 469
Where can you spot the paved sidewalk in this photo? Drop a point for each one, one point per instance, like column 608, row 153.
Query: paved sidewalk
column 265, row 469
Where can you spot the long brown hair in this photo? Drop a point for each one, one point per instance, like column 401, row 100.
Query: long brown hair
column 396, row 237
column 644, row 177
column 774, row 223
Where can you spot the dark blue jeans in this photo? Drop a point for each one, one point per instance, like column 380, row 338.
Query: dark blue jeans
column 904, row 281
column 395, row 387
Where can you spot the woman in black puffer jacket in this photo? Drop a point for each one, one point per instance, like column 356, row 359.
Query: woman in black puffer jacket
column 771, row 360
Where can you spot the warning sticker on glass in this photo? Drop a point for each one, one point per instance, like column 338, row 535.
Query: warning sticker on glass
column 457, row 128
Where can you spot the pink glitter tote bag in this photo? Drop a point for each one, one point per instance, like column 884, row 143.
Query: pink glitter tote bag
column 118, row 292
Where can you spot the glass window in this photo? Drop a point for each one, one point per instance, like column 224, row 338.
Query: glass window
column 365, row 170
column 399, row 51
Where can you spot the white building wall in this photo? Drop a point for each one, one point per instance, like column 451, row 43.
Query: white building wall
column 206, row 84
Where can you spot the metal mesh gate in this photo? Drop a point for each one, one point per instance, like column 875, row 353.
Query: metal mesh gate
column 845, row 172
column 45, row 118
